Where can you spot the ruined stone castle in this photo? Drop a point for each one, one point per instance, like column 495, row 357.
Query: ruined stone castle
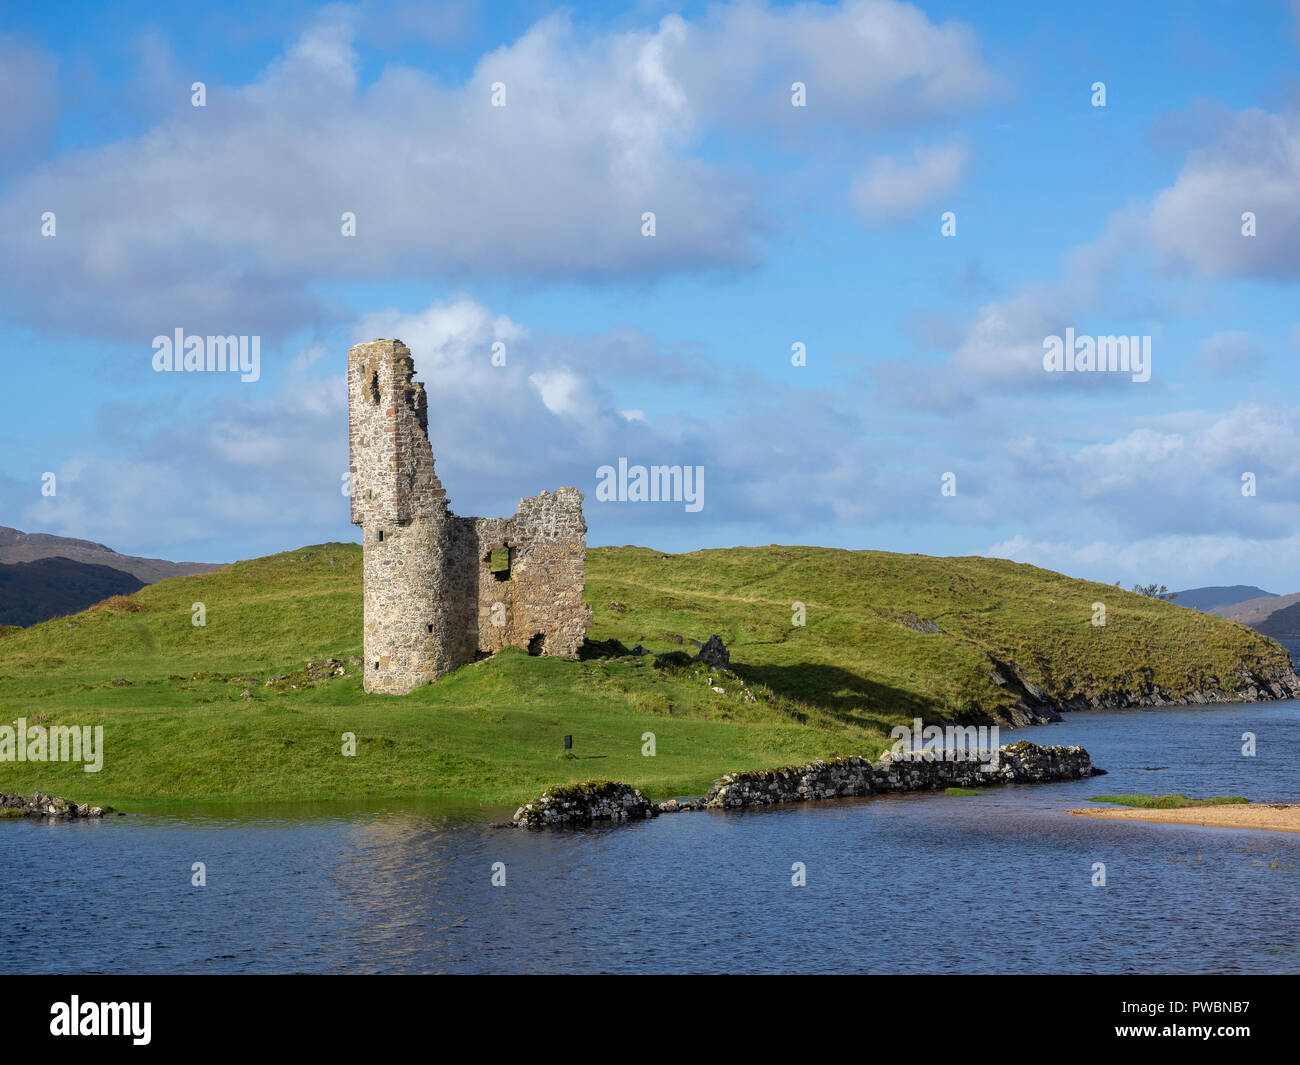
column 442, row 590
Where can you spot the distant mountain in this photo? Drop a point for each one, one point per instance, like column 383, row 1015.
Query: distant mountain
column 1260, row 612
column 1282, row 623
column 44, row 576
column 18, row 546
column 1207, row 599
column 32, row 592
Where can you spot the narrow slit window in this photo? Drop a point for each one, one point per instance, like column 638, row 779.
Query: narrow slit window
column 381, row 536
column 374, row 388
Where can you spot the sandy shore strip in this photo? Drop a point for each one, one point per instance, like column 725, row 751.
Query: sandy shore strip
column 1277, row 816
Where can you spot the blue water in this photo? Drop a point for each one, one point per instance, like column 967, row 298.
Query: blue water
column 896, row 884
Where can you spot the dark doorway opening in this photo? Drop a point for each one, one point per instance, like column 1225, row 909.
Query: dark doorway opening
column 537, row 645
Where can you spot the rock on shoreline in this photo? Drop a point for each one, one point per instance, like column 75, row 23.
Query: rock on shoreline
column 41, row 805
column 1036, row 707
column 1018, row 763
column 580, row 804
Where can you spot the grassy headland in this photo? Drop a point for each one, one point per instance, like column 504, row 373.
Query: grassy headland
column 178, row 727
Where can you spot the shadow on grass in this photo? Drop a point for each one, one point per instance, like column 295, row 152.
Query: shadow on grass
column 843, row 695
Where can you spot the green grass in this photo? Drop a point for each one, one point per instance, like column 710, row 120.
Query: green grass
column 177, row 729
column 857, row 660
column 961, row 791
column 1168, row 802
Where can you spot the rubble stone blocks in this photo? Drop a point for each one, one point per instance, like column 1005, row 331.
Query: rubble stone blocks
column 440, row 589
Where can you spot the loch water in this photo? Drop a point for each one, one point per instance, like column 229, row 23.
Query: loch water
column 923, row 883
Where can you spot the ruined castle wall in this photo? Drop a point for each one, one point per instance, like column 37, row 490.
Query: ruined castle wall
column 393, row 479
column 432, row 602
column 541, row 602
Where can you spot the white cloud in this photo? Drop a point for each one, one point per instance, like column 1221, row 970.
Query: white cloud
column 867, row 64
column 1177, row 561
column 887, row 191
column 561, row 391
column 220, row 218
column 1252, row 164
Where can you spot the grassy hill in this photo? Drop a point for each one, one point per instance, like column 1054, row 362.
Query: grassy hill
column 887, row 637
column 32, row 592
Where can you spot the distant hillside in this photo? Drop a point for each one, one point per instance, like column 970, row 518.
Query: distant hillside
column 1220, row 595
column 31, row 592
column 16, row 546
column 1284, row 623
column 1257, row 612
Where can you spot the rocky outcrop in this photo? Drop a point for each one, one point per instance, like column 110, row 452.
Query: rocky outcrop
column 40, row 805
column 1036, row 707
column 581, row 804
column 1017, row 763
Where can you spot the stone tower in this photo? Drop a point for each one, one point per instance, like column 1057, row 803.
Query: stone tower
column 441, row 590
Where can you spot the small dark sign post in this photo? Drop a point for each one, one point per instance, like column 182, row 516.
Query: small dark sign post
column 568, row 743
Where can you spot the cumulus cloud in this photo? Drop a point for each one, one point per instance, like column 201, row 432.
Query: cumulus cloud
column 1178, row 473
column 272, row 464
column 220, row 218
column 1176, row 561
column 224, row 220
column 1252, row 164
column 999, row 351
column 265, row 472
column 867, row 65
column 887, row 191
column 1249, row 163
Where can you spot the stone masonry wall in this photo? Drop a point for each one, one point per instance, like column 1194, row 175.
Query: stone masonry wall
column 432, row 602
column 541, row 601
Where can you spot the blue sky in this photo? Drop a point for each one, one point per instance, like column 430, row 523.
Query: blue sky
column 774, row 225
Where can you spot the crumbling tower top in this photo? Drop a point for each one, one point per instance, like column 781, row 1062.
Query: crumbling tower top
column 393, row 479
